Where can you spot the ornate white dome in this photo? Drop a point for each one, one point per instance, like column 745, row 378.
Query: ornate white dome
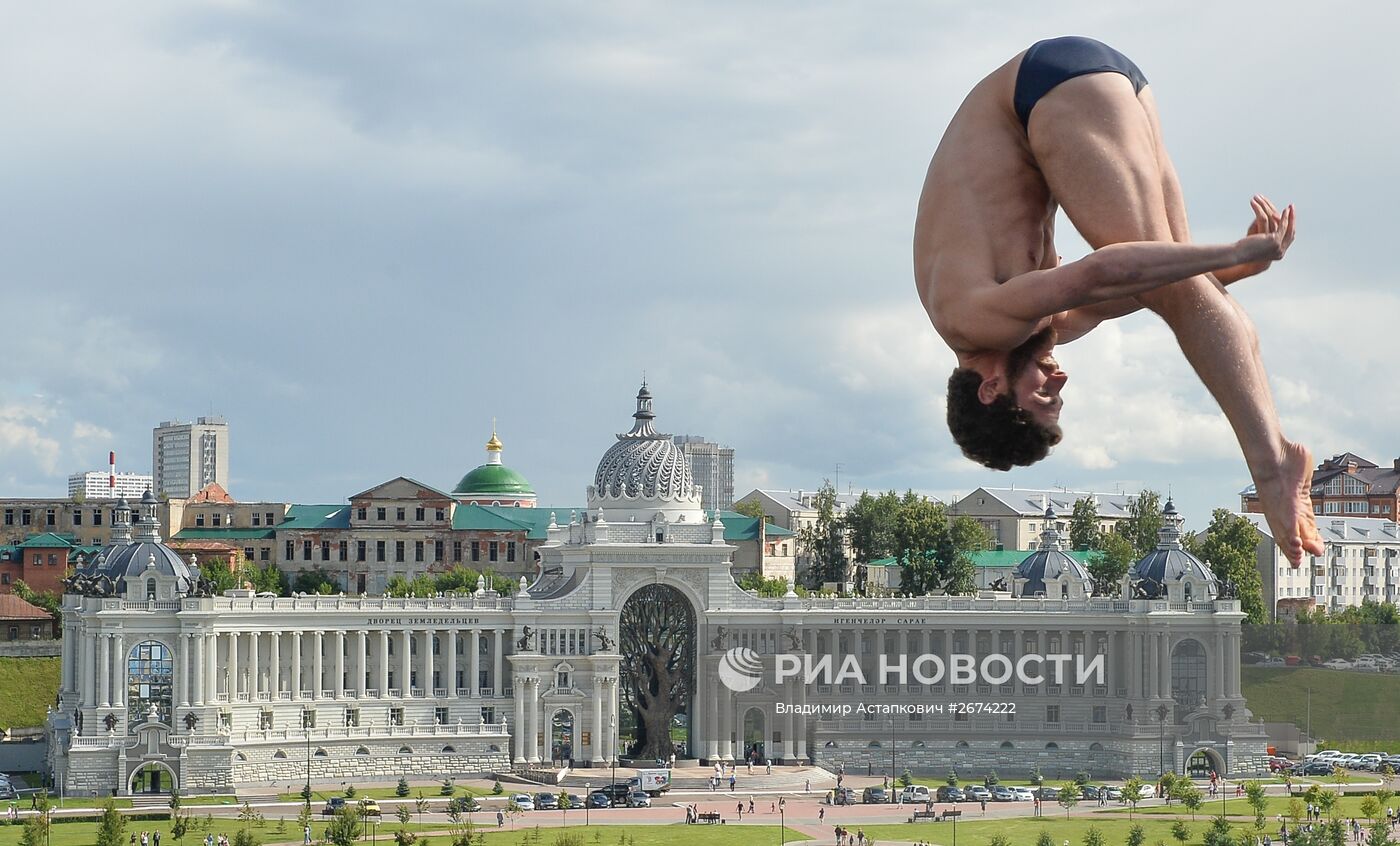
column 645, row 472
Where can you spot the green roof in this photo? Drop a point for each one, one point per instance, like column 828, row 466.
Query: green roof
column 741, row 527
column 1000, row 557
column 316, row 517
column 493, row 479
column 47, row 540
column 222, row 534
column 508, row 518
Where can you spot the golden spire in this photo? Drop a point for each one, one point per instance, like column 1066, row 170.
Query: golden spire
column 493, row 445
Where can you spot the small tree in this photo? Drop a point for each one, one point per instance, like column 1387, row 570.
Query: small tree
column 906, row 779
column 496, row 788
column 111, row 828
column 1069, row 797
column 447, row 788
column 1181, row 831
column 999, row 840
column 401, row 789
column 1136, row 836
column 1258, row 801
column 1081, row 778
column 1167, row 784
column 991, row 780
column 1132, row 794
column 1295, row 810
column 36, row 828
column 1036, row 778
column 1093, row 837
column 1044, row 839
column 304, row 816
column 565, row 803
column 1378, row 834
column 1190, row 796
column 952, row 778
column 244, row 837
column 404, row 815
column 1219, row 833
column 345, row 828
column 421, row 805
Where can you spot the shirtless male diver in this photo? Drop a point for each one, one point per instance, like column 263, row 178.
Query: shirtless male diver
column 1072, row 123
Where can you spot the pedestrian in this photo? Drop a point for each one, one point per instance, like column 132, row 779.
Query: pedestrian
column 769, row 767
column 740, row 811
column 808, row 786
column 155, row 838
column 984, row 807
column 500, row 819
column 821, row 814
column 772, row 807
column 731, row 782
column 306, row 835
column 750, row 804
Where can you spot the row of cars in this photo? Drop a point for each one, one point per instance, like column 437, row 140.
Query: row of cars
column 7, row 790
column 919, row 794
column 1329, row 761
column 1370, row 662
column 610, row 796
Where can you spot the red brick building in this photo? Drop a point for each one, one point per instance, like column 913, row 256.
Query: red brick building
column 42, row 562
column 1347, row 485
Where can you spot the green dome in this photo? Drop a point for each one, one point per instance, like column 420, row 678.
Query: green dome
column 493, row 479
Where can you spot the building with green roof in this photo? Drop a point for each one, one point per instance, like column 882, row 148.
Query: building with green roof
column 493, row 483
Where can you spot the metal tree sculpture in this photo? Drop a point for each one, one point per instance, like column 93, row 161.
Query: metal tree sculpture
column 658, row 672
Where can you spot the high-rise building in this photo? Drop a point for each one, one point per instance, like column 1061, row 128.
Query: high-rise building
column 712, row 467
column 187, row 456
column 99, row 484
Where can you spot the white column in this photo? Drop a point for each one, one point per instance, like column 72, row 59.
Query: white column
column 182, row 670
column 69, row 661
column 383, row 665
column 211, row 667
column 473, row 657
column 533, row 715
column 1154, row 676
column 497, row 680
column 296, row 665
column 119, row 670
column 451, row 662
column 235, row 675
column 104, row 665
column 275, row 664
column 405, row 663
column 318, row 666
column 254, row 671
column 428, row 662
column 196, row 643
column 595, row 751
column 361, row 662
column 338, row 687
column 520, row 727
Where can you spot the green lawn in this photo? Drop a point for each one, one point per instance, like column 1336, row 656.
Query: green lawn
column 649, row 835
column 1348, row 708
column 1023, row 831
column 30, row 686
column 1347, row 806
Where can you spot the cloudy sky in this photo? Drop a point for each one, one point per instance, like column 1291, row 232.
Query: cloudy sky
column 361, row 232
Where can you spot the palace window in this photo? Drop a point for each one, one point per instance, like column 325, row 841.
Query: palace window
column 308, row 718
column 1052, row 713
column 379, row 550
column 361, row 514
column 441, row 515
column 225, row 720
column 325, row 550
column 306, row 550
column 150, row 682
column 257, row 519
column 199, row 520
column 1100, row 713
column 291, row 550
column 96, row 517
column 493, row 550
column 249, row 553
column 399, row 515
column 510, row 551
column 381, row 514
column 488, row 715
column 476, row 550
column 398, row 550
column 457, row 551
column 360, row 550
column 352, row 717
column 440, row 716
column 265, row 719
column 437, row 550
column 395, row 716
column 268, row 521
column 418, row 551
column 77, row 517
column 420, row 514
column 344, row 550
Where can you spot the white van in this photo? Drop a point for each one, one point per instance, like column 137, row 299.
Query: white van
column 915, row 794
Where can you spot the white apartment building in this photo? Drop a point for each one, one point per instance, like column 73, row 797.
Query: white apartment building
column 98, row 484
column 1015, row 517
column 1361, row 561
column 185, row 457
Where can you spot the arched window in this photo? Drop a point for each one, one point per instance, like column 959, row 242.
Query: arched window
column 1095, row 747
column 322, row 753
column 831, row 744
column 279, row 754
column 919, row 744
column 1189, row 673
column 150, row 675
column 874, row 744
column 448, row 750
column 1052, row 745
column 962, row 744
column 1006, row 744
column 404, row 750
column 362, row 751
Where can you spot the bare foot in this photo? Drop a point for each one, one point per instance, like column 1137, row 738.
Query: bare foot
column 1287, row 503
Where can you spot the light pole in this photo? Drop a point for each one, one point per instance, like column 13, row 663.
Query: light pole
column 782, row 825
column 892, row 765
column 613, row 726
column 306, row 790
column 1162, row 739
column 1229, row 712
column 587, row 801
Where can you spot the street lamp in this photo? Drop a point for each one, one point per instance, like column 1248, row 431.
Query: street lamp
column 1162, row 739
column 306, row 791
column 782, row 825
column 1229, row 712
column 587, row 801
column 892, row 765
column 613, row 725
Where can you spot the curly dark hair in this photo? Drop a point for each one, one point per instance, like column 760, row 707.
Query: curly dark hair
column 997, row 434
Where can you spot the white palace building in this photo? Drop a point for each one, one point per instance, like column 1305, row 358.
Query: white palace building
column 167, row 687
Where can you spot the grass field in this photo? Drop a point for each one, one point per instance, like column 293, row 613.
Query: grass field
column 30, row 686
column 83, row 834
column 1348, row 710
column 1024, row 831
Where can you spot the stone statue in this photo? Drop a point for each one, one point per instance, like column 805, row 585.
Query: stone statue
column 794, row 640
column 523, row 643
column 605, row 643
column 717, row 642
column 191, row 720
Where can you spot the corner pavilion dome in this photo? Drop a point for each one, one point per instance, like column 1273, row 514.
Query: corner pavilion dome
column 1171, row 563
column 141, row 553
column 1050, row 563
column 493, row 479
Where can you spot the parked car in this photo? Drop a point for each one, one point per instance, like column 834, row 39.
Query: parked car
column 1112, row 793
column 843, row 796
column 523, row 801
column 1337, row 664
column 369, row 808
column 638, row 799
column 950, row 794
column 463, row 804
column 333, row 806
column 1089, row 792
column 599, row 799
column 1002, row 794
column 978, row 793
column 1273, row 661
column 1292, row 660
column 916, row 793
column 1023, row 794
column 1047, row 794
column 1313, row 768
column 7, row 791
column 616, row 793
column 874, row 796
column 546, row 802
column 575, row 800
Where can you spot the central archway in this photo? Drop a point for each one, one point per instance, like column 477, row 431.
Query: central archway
column 658, row 634
column 152, row 778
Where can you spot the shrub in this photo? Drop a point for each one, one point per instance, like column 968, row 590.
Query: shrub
column 401, row 789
